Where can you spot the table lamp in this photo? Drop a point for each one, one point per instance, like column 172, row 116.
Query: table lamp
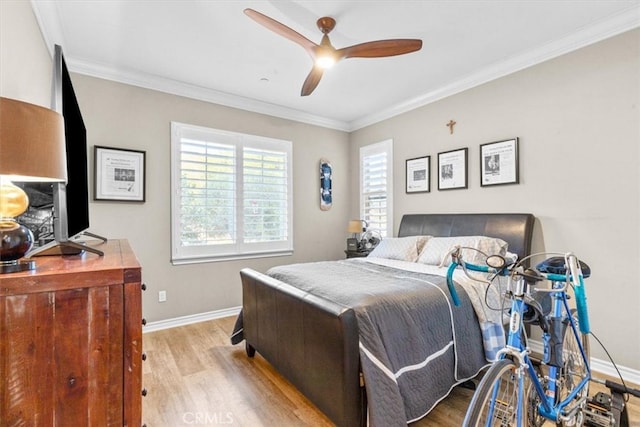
column 32, row 148
column 355, row 226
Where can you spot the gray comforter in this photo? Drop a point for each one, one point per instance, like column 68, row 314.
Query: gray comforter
column 414, row 344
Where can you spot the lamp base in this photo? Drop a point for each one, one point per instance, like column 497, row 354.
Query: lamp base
column 16, row 266
column 15, row 242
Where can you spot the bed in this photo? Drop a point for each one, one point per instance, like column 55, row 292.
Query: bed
column 316, row 341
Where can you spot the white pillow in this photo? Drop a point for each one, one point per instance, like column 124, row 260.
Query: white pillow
column 400, row 248
column 436, row 250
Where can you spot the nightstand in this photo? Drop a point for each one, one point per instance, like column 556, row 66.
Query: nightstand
column 356, row 254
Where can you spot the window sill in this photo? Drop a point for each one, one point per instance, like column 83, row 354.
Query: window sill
column 231, row 257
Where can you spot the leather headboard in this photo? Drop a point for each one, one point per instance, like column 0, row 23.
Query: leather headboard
column 515, row 229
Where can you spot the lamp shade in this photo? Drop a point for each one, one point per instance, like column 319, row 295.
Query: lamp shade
column 355, row 226
column 32, row 143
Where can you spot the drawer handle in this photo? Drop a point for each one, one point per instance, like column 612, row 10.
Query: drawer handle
column 144, row 392
column 144, row 321
column 144, row 356
column 144, row 286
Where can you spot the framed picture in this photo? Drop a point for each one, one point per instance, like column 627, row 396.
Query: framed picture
column 119, row 174
column 418, row 173
column 452, row 169
column 499, row 163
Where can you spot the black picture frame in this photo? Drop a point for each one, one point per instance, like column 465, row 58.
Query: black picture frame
column 453, row 167
column 119, row 174
column 499, row 163
column 418, row 175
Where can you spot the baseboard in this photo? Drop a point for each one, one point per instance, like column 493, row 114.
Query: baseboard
column 188, row 320
column 600, row 366
column 597, row 365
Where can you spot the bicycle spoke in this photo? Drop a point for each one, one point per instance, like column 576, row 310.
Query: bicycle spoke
column 495, row 402
column 574, row 369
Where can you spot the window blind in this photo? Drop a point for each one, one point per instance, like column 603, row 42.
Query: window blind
column 231, row 195
column 376, row 186
column 265, row 195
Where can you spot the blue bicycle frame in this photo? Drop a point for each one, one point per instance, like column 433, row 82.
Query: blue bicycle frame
column 549, row 407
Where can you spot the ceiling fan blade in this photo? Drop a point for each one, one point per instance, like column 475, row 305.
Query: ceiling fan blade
column 311, row 81
column 282, row 30
column 381, row 48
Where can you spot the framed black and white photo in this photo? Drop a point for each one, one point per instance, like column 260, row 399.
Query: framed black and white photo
column 499, row 163
column 418, row 172
column 119, row 174
column 452, row 169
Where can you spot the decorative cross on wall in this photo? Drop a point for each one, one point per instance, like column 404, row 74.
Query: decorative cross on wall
column 451, row 124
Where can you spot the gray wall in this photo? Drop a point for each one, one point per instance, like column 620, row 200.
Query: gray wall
column 582, row 106
column 25, row 63
column 578, row 122
column 118, row 115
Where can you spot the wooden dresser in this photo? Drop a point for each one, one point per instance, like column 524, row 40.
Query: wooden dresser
column 71, row 341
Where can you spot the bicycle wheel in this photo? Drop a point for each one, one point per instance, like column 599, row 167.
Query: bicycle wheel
column 496, row 400
column 532, row 401
column 574, row 369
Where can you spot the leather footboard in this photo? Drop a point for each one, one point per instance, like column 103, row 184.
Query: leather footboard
column 312, row 342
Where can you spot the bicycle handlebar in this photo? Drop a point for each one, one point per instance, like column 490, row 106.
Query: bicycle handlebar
column 574, row 275
column 578, row 287
column 452, row 289
column 456, row 260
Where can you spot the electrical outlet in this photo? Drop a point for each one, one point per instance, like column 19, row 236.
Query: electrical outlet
column 162, row 296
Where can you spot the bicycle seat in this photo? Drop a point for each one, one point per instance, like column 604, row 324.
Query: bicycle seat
column 555, row 265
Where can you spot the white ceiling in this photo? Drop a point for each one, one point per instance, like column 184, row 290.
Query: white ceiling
column 210, row 50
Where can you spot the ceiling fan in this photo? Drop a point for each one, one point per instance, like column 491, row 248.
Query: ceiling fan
column 324, row 55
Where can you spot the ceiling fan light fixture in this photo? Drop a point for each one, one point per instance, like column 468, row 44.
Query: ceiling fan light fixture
column 324, row 55
column 325, row 61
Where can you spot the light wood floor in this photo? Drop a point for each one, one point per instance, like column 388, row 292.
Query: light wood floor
column 194, row 376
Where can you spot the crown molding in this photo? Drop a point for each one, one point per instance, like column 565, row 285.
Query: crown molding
column 48, row 20
column 49, row 23
column 174, row 87
column 618, row 24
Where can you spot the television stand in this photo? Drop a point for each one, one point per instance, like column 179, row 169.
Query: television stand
column 67, row 247
column 95, row 236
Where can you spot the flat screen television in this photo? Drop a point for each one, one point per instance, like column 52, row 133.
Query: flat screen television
column 59, row 212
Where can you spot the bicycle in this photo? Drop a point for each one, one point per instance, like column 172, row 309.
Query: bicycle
column 515, row 391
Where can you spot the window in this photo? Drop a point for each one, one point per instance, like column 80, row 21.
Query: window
column 231, row 195
column 376, row 186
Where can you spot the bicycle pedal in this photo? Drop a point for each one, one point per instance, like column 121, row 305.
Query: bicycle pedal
column 602, row 399
column 598, row 411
